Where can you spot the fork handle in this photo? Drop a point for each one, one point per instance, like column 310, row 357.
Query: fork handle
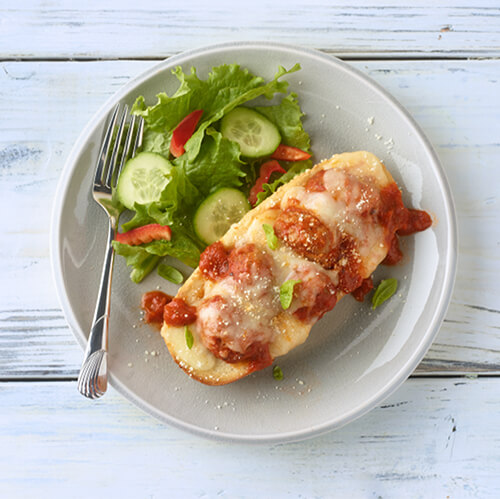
column 98, row 337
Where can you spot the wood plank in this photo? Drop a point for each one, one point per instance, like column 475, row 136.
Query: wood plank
column 156, row 29
column 432, row 438
column 47, row 104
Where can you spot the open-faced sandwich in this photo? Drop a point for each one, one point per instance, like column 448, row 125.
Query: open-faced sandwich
column 259, row 289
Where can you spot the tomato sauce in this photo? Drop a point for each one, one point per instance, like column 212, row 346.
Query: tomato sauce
column 153, row 303
column 366, row 286
column 416, row 221
column 178, row 313
column 261, row 358
column 399, row 220
column 394, row 254
column 324, row 301
column 347, row 264
column 214, row 262
column 257, row 353
column 315, row 183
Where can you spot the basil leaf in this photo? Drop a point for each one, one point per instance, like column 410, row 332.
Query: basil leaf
column 384, row 291
column 272, row 240
column 170, row 274
column 286, row 293
column 189, row 337
column 277, row 373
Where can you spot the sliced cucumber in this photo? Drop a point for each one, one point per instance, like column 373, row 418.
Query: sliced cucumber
column 143, row 179
column 218, row 212
column 254, row 133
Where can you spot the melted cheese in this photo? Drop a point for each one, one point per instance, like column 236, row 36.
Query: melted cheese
column 198, row 357
column 247, row 315
column 342, row 206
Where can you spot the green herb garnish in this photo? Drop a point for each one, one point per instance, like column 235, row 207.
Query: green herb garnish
column 272, row 240
column 286, row 293
column 277, row 373
column 189, row 337
column 170, row 273
column 384, row 291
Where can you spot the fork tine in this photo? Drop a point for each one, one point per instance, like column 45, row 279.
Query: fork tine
column 126, row 150
column 114, row 156
column 103, row 153
column 138, row 137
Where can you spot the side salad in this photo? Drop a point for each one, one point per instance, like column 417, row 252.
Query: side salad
column 208, row 156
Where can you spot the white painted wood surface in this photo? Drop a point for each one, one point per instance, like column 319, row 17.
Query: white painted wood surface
column 159, row 28
column 436, row 437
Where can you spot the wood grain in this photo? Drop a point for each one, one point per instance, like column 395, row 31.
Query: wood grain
column 433, row 438
column 45, row 106
column 64, row 29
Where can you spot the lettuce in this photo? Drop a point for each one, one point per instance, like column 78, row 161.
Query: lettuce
column 137, row 257
column 218, row 164
column 173, row 209
column 287, row 116
column 226, row 87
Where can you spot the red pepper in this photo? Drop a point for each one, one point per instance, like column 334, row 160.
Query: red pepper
column 145, row 234
column 183, row 132
column 289, row 153
column 266, row 170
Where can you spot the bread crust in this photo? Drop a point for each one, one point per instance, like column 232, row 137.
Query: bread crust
column 198, row 362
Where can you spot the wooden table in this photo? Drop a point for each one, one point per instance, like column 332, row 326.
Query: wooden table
column 437, row 436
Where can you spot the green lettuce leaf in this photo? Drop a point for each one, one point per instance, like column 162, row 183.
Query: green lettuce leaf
column 217, row 165
column 287, row 116
column 144, row 258
column 226, row 87
column 174, row 209
column 138, row 258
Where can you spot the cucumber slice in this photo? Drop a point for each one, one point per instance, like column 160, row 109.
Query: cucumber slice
column 143, row 179
column 218, row 212
column 254, row 133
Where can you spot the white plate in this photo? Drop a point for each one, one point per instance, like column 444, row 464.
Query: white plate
column 354, row 357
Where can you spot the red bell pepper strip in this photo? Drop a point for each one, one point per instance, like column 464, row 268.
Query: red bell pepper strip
column 266, row 170
column 183, row 132
column 144, row 234
column 289, row 153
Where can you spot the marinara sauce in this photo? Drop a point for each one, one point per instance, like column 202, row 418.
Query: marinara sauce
column 399, row 220
column 159, row 307
column 366, row 286
column 260, row 358
column 153, row 303
column 214, row 263
column 178, row 313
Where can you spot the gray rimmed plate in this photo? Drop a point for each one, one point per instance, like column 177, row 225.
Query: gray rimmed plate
column 354, row 357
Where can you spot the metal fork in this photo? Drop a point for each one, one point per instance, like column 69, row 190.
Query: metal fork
column 93, row 378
